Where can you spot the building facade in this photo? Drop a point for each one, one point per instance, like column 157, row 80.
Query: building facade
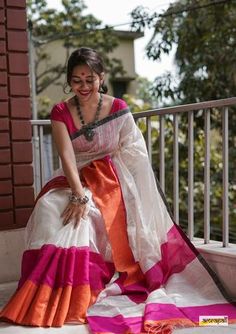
column 117, row 86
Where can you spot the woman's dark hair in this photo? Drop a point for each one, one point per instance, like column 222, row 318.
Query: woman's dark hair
column 89, row 57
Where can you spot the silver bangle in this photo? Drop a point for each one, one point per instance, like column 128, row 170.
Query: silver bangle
column 82, row 200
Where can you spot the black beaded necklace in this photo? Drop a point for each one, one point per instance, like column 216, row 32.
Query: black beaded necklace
column 88, row 131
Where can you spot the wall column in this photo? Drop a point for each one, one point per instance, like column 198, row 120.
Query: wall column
column 16, row 171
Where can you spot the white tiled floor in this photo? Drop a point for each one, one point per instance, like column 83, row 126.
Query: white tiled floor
column 7, row 289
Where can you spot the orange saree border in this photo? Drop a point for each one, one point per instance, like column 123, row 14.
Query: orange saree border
column 43, row 306
column 100, row 175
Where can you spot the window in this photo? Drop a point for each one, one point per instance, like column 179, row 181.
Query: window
column 119, row 88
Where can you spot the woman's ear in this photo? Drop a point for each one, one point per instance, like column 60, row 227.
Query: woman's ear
column 102, row 76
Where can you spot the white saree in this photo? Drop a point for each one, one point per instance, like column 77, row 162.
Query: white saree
column 127, row 268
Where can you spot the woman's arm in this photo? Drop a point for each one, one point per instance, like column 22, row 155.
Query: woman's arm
column 66, row 153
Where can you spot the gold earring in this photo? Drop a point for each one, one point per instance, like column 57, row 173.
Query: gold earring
column 65, row 87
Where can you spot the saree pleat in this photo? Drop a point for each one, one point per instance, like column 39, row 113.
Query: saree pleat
column 57, row 284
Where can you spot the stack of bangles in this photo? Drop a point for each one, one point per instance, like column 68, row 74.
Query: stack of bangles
column 81, row 200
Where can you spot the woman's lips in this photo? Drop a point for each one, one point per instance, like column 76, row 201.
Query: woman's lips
column 84, row 93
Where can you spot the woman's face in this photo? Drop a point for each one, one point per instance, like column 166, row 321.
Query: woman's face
column 85, row 83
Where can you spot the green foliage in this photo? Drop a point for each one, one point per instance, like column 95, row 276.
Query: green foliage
column 136, row 105
column 202, row 34
column 45, row 104
column 144, row 92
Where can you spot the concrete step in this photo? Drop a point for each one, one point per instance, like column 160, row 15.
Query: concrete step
column 7, row 289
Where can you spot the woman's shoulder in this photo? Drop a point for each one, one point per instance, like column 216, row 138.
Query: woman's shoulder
column 58, row 111
column 118, row 104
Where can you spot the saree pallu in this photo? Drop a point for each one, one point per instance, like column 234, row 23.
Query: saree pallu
column 127, row 267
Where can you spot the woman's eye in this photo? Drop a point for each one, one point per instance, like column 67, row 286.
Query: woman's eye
column 77, row 82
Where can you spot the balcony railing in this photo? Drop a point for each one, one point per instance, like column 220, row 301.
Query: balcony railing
column 161, row 120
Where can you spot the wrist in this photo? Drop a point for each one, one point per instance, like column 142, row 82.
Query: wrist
column 81, row 200
column 78, row 192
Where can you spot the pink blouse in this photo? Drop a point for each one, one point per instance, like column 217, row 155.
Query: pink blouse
column 60, row 112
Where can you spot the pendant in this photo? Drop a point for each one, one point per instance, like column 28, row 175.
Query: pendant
column 89, row 134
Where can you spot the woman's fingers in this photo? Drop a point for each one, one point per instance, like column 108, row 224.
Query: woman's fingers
column 66, row 217
column 67, row 214
column 80, row 215
column 86, row 211
column 74, row 212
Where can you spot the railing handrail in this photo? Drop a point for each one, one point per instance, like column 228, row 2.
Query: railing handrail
column 167, row 110
column 40, row 121
column 206, row 107
column 186, row 107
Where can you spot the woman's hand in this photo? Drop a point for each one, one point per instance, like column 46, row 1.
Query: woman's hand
column 74, row 211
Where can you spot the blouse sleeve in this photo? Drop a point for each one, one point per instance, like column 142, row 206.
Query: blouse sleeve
column 57, row 114
column 118, row 104
column 122, row 104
